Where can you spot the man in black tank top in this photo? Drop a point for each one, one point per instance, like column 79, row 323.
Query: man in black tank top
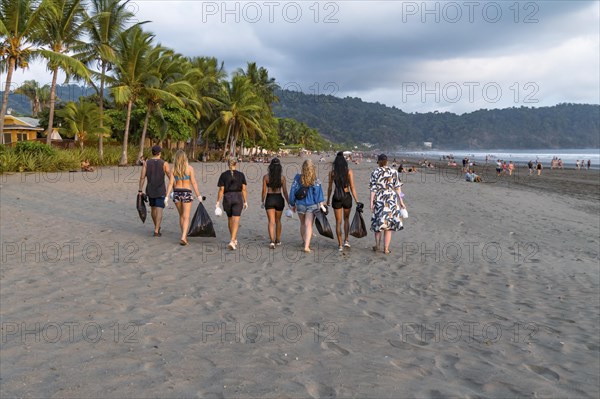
column 155, row 169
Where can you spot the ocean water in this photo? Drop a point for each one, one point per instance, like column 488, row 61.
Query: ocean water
column 521, row 157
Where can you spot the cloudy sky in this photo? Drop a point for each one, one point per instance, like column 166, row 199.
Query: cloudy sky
column 418, row 56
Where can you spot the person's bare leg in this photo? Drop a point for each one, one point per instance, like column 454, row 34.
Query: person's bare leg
column 387, row 238
column 234, row 223
column 346, row 223
column 308, row 222
column 377, row 240
column 278, row 226
column 271, row 218
column 338, row 225
column 156, row 213
column 302, row 217
column 184, row 219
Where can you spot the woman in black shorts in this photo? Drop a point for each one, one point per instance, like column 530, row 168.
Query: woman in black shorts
column 273, row 192
column 342, row 197
column 232, row 189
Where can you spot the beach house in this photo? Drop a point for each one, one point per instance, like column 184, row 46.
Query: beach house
column 20, row 129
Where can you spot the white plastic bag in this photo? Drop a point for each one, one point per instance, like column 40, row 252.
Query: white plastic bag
column 404, row 213
column 289, row 213
column 218, row 211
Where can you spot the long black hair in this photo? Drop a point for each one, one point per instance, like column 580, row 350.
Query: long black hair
column 340, row 170
column 275, row 174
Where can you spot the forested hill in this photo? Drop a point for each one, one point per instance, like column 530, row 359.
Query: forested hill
column 351, row 120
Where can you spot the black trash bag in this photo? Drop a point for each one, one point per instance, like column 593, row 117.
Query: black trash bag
column 357, row 227
column 140, row 204
column 201, row 225
column 322, row 224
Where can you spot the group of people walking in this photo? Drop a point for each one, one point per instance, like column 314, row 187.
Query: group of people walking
column 305, row 197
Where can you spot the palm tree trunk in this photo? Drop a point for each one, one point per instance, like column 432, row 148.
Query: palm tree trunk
column 11, row 68
column 226, row 141
column 123, row 160
column 101, row 106
column 143, row 139
column 52, row 101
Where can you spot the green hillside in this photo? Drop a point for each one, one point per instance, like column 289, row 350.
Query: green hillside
column 352, row 120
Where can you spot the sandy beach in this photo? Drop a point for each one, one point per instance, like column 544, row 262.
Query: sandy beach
column 491, row 290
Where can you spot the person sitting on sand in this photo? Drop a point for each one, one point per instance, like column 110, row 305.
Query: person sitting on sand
column 86, row 167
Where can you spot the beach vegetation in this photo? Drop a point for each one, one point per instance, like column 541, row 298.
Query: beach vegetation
column 141, row 91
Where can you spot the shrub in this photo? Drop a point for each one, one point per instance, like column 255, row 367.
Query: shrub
column 34, row 147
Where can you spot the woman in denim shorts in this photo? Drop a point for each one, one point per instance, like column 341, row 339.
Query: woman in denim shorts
column 306, row 196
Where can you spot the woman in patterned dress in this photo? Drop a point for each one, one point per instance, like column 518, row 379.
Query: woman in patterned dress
column 386, row 202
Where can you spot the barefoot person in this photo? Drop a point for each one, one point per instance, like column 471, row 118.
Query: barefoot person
column 274, row 190
column 386, row 202
column 155, row 170
column 306, row 196
column 342, row 196
column 232, row 190
column 181, row 181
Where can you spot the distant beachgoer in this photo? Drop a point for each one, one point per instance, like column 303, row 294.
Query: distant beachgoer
column 577, row 164
column 181, row 182
column 560, row 164
column 274, row 191
column 310, row 197
column 589, row 164
column 539, row 168
column 530, row 166
column 86, row 167
column 511, row 167
column 342, row 197
column 155, row 170
column 498, row 167
column 386, row 203
column 232, row 190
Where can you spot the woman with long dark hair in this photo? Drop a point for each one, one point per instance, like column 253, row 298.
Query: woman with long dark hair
column 274, row 190
column 341, row 202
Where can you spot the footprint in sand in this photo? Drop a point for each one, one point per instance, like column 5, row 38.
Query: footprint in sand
column 335, row 347
column 374, row 314
column 544, row 372
column 318, row 390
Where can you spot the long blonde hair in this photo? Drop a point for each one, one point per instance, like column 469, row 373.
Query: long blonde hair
column 308, row 175
column 181, row 163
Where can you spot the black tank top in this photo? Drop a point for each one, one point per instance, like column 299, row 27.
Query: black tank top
column 156, row 178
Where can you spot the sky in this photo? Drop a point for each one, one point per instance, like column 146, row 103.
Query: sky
column 419, row 56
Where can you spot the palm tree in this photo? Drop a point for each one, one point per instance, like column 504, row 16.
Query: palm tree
column 133, row 47
column 18, row 21
column 59, row 29
column 164, row 84
column 207, row 76
column 35, row 93
column 108, row 19
column 241, row 114
column 265, row 86
column 81, row 118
